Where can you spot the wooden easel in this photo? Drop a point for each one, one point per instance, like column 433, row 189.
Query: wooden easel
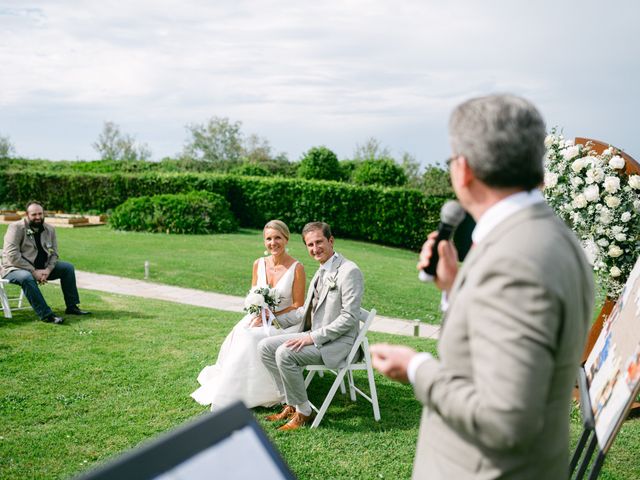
column 631, row 168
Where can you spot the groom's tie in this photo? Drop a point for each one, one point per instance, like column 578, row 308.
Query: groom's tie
column 316, row 290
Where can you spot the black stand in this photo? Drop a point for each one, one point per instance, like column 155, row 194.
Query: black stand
column 588, row 436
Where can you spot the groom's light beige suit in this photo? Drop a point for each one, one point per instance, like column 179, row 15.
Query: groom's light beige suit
column 333, row 326
column 496, row 401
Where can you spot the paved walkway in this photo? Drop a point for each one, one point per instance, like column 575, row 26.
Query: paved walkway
column 200, row 298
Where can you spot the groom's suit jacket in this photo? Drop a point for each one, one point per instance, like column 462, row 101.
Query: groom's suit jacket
column 336, row 321
column 496, row 402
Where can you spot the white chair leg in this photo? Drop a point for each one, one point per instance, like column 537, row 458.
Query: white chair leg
column 352, row 386
column 4, row 300
column 372, row 383
column 21, row 298
column 343, row 389
column 327, row 401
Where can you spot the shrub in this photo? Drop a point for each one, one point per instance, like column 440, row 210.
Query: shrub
column 380, row 171
column 251, row 170
column 193, row 212
column 319, row 163
column 391, row 216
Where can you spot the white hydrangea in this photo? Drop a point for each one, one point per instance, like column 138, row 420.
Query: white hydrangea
column 549, row 140
column 576, row 181
column 634, row 182
column 550, row 179
column 621, row 237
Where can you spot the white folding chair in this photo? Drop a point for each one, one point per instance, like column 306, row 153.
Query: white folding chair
column 5, row 299
column 347, row 369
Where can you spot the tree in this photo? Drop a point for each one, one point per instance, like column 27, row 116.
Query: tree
column 217, row 141
column 112, row 144
column 411, row 169
column 436, row 181
column 7, row 150
column 319, row 163
column 379, row 171
column 371, row 149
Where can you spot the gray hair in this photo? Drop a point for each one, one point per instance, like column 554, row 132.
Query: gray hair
column 502, row 138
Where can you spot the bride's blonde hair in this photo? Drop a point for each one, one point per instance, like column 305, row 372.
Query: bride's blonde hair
column 280, row 226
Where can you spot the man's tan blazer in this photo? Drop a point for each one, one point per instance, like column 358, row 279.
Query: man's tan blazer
column 19, row 250
column 496, row 402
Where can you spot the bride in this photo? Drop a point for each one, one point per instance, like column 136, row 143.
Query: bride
column 239, row 373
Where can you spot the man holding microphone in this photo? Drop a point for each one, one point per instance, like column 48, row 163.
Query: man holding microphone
column 496, row 400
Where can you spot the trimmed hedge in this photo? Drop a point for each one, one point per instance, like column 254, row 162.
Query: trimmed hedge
column 193, row 212
column 391, row 216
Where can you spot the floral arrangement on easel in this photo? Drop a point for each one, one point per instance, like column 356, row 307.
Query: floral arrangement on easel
column 601, row 203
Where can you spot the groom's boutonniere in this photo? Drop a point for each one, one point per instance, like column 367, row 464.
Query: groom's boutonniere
column 29, row 232
column 331, row 283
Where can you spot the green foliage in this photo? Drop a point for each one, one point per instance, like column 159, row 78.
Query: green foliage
column 347, row 168
column 382, row 171
column 395, row 216
column 7, row 150
column 114, row 145
column 251, row 170
column 193, row 212
column 319, row 163
column 216, row 141
column 436, row 181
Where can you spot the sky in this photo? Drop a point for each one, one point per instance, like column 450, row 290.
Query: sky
column 301, row 73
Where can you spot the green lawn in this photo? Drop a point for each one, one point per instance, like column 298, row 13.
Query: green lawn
column 76, row 394
column 222, row 263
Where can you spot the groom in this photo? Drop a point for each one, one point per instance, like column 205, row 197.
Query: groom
column 330, row 326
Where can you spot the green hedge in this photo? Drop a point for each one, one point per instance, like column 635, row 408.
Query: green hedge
column 193, row 212
column 391, row 216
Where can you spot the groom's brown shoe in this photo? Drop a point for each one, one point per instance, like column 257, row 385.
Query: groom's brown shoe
column 298, row 420
column 285, row 414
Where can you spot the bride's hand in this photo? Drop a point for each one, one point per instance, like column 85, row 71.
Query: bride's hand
column 256, row 322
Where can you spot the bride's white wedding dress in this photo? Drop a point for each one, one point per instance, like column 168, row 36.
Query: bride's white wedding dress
column 239, row 373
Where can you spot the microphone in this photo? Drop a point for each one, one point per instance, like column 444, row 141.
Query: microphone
column 451, row 215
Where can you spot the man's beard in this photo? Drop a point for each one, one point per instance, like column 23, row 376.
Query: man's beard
column 36, row 224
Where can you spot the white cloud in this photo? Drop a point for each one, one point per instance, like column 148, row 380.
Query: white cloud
column 305, row 73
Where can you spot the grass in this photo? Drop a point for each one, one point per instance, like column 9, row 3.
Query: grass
column 74, row 395
column 222, row 263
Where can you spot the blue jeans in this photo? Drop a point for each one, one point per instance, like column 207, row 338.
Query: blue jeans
column 67, row 275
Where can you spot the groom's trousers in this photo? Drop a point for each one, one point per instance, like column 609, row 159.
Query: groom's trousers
column 287, row 366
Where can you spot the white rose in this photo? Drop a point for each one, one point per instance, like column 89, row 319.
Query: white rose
column 611, row 201
column 568, row 143
column 615, row 272
column 254, row 299
column 550, row 179
column 549, row 140
column 603, row 242
column 576, row 181
column 571, row 152
column 605, row 216
column 616, row 162
column 625, row 217
column 608, row 151
column 577, row 164
column 621, row 237
column 617, row 229
column 592, row 193
column 615, row 251
column 579, row 201
column 634, row 182
column 612, row 184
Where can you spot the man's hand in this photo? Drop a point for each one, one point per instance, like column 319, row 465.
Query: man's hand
column 41, row 276
column 296, row 344
column 392, row 360
column 447, row 268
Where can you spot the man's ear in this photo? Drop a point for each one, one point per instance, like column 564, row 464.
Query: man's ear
column 465, row 174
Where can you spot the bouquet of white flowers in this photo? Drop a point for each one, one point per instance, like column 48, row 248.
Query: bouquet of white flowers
column 594, row 196
column 262, row 301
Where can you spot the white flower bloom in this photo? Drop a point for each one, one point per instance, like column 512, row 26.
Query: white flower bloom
column 625, row 217
column 603, row 242
column 617, row 229
column 608, row 151
column 636, row 204
column 590, row 251
column 605, row 216
column 549, row 140
column 550, row 179
column 615, row 272
column 568, row 143
column 621, row 237
column 579, row 201
column 577, row 164
column 254, row 299
column 576, row 181
column 611, row 201
column 615, row 251
column 612, row 184
column 634, row 182
column 592, row 193
column 616, row 162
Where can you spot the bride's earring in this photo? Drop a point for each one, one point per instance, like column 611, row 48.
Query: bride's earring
column 286, row 249
column 266, row 252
